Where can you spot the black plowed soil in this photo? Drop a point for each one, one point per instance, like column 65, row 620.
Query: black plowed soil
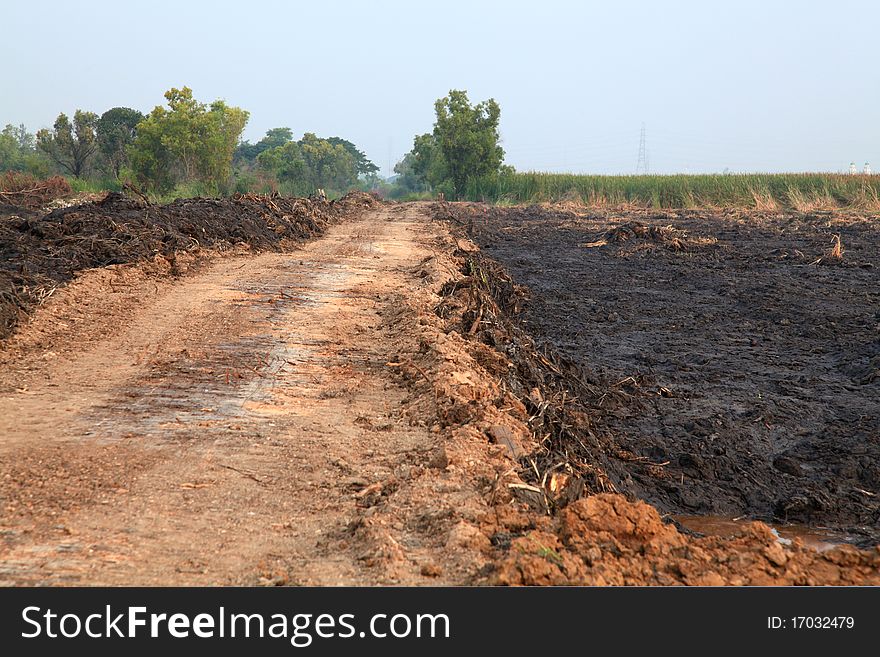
column 733, row 359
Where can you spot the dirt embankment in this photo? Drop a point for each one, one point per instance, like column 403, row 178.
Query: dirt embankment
column 41, row 251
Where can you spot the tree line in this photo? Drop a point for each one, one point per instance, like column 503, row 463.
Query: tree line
column 188, row 147
column 184, row 146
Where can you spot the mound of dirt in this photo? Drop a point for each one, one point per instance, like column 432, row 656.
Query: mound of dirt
column 571, row 459
column 39, row 253
column 606, row 540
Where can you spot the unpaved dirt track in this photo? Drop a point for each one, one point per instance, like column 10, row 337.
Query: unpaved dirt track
column 236, row 428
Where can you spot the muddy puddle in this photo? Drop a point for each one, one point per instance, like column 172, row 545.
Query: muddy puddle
column 817, row 538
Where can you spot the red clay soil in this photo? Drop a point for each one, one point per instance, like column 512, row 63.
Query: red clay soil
column 606, row 540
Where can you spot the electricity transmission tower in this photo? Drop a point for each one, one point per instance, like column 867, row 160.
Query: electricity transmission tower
column 642, row 165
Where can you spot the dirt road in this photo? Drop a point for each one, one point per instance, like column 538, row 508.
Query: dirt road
column 237, row 426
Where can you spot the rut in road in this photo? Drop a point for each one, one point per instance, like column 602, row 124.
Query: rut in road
column 239, row 427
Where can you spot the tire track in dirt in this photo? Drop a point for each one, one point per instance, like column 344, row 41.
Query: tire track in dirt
column 241, row 427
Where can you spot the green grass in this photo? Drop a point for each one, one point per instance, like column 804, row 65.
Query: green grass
column 92, row 186
column 803, row 192
column 799, row 191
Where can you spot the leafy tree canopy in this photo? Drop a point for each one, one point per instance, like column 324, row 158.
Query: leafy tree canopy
column 187, row 141
column 467, row 136
column 275, row 137
column 115, row 130
column 363, row 165
column 285, row 162
column 312, row 163
column 70, row 145
column 25, row 141
column 18, row 152
column 463, row 145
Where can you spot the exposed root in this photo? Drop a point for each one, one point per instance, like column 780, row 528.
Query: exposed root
column 570, row 458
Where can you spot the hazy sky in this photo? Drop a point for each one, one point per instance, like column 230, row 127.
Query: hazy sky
column 746, row 85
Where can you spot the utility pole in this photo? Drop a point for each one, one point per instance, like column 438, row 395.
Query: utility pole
column 642, row 164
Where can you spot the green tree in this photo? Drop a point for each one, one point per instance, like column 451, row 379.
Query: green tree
column 10, row 157
column 275, row 137
column 467, row 137
column 363, row 165
column 423, row 167
column 18, row 151
column 70, row 146
column 115, row 130
column 25, row 141
column 151, row 159
column 327, row 165
column 311, row 163
column 462, row 146
column 221, row 133
column 428, row 162
column 188, row 141
column 284, row 162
